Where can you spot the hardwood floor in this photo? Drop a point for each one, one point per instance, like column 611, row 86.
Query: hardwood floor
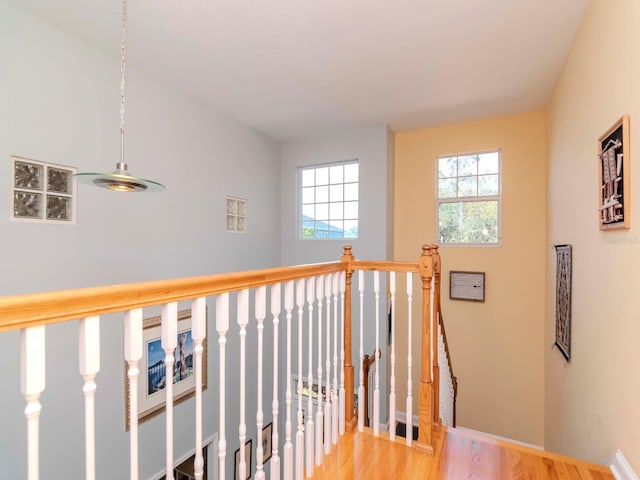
column 459, row 456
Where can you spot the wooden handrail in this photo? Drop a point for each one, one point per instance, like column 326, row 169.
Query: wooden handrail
column 435, row 258
column 35, row 309
column 30, row 310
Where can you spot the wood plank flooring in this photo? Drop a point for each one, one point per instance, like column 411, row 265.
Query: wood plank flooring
column 459, row 456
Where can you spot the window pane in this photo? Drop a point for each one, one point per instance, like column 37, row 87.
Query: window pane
column 308, row 177
column 351, row 210
column 467, row 186
column 351, row 172
column 322, row 194
column 351, row 229
column 322, row 176
column 336, row 229
column 447, row 188
column 467, row 165
column 336, row 174
column 335, row 211
column 350, row 191
column 488, row 185
column 27, row 204
column 325, row 193
column 308, row 211
column 489, row 162
column 336, row 193
column 447, row 167
column 308, row 195
column 28, row 175
column 58, row 207
column 59, row 180
column 322, row 211
column 468, row 222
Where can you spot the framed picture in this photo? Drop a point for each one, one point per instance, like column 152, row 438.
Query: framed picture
column 267, row 432
column 247, row 459
column 466, row 286
column 563, row 299
column 614, row 196
column 151, row 383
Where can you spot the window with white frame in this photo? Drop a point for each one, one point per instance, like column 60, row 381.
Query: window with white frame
column 42, row 192
column 468, row 206
column 329, row 200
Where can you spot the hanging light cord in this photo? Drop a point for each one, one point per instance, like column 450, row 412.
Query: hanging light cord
column 123, row 52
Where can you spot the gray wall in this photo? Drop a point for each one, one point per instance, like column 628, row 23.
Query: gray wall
column 60, row 104
column 371, row 147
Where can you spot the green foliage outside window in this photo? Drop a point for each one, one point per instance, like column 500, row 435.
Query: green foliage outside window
column 468, row 198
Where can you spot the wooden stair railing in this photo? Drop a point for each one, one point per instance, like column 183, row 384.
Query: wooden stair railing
column 30, row 312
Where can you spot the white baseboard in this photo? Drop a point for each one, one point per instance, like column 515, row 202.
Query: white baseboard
column 210, row 442
column 402, row 417
column 498, row 437
column 620, row 467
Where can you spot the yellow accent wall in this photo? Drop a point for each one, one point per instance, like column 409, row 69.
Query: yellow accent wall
column 497, row 346
column 593, row 402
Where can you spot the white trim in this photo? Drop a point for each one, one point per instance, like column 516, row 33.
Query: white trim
column 401, row 417
column 498, row 437
column 620, row 467
column 210, row 443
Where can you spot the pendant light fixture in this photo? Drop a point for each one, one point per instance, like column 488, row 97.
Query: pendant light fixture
column 121, row 180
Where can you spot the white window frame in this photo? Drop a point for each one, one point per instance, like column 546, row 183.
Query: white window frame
column 43, row 191
column 483, row 198
column 299, row 199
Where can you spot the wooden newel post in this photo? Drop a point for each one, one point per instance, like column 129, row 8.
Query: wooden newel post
column 436, row 320
column 425, row 392
column 349, row 414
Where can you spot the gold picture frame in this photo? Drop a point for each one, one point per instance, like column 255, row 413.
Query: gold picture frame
column 614, row 175
column 151, row 396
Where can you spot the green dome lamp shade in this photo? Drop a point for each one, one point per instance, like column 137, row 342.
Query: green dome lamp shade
column 120, row 180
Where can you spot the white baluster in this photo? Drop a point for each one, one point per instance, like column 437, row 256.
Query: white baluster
column 261, row 308
column 376, row 357
column 243, row 320
column 300, row 433
column 222, row 326
column 335, row 414
column 361, row 382
column 392, row 379
column 169, row 327
column 319, row 410
column 409, row 419
column 132, row 355
column 327, row 406
column 198, row 334
column 275, row 440
column 342, row 393
column 288, row 445
column 89, row 361
column 32, row 349
column 309, row 426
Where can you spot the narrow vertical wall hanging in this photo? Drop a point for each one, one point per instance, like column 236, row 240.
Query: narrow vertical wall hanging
column 563, row 300
column 615, row 176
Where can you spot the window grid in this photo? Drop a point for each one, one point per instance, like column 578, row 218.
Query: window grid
column 237, row 214
column 329, row 200
column 42, row 192
column 468, row 198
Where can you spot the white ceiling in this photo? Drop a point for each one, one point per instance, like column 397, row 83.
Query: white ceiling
column 300, row 68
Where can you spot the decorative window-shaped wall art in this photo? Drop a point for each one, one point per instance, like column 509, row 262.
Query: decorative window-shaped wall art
column 615, row 177
column 236, row 214
column 42, row 192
